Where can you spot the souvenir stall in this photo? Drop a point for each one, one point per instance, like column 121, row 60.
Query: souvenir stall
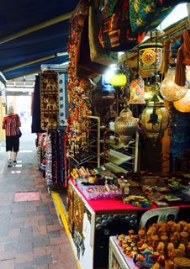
column 49, row 122
column 139, row 167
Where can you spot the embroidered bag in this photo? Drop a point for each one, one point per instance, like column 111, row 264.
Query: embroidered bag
column 97, row 53
column 115, row 32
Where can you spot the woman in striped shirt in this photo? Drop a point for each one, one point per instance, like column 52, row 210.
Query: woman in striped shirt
column 11, row 124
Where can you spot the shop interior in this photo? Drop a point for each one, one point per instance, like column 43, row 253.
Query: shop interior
column 111, row 115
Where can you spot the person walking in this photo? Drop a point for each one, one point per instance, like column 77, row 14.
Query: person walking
column 11, row 125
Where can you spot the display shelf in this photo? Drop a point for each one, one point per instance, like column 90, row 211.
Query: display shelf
column 115, row 168
column 90, row 156
column 121, row 158
column 117, row 157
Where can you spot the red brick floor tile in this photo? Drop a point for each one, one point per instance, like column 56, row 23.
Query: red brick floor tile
column 26, row 196
column 34, row 238
column 40, row 251
column 24, row 257
column 7, row 264
column 39, row 230
column 54, row 227
column 43, row 266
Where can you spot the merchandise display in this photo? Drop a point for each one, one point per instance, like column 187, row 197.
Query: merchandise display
column 159, row 246
column 138, row 190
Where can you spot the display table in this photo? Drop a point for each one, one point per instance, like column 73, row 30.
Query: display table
column 92, row 222
column 117, row 259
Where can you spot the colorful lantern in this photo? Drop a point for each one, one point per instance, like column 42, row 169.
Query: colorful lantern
column 137, row 91
column 169, row 90
column 150, row 58
column 118, row 80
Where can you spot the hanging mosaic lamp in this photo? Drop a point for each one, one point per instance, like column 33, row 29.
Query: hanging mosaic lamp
column 137, row 91
column 125, row 124
column 169, row 90
column 150, row 58
column 183, row 105
column 154, row 118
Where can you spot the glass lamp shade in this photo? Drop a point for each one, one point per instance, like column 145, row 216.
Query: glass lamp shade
column 150, row 58
column 118, row 80
column 183, row 105
column 137, row 91
column 154, row 118
column 125, row 125
column 169, row 90
column 149, row 92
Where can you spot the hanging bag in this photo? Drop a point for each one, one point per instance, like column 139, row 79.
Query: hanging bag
column 97, row 53
column 115, row 32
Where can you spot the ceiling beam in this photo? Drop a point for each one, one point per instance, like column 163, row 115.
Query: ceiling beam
column 35, row 28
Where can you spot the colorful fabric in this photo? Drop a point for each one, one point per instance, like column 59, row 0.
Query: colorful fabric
column 11, row 125
column 146, row 15
column 63, row 101
column 115, row 32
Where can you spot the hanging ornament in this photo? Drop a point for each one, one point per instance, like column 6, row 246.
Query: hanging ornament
column 154, row 118
column 137, row 91
column 169, row 90
column 183, row 105
column 125, row 124
column 150, row 58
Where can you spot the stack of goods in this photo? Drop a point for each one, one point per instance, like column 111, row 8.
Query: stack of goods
column 161, row 246
column 96, row 184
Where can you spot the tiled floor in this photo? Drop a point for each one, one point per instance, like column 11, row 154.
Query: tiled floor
column 31, row 236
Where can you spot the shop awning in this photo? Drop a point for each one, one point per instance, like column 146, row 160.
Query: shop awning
column 32, row 33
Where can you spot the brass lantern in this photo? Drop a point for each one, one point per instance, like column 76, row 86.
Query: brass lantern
column 154, row 118
column 125, row 125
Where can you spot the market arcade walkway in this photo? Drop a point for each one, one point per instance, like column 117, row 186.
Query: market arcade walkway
column 31, row 236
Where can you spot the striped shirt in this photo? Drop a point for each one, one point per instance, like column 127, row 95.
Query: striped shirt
column 11, row 124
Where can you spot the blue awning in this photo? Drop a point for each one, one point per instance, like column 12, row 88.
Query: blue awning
column 32, row 33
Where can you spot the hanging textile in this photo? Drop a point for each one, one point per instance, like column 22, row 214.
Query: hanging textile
column 49, row 96
column 55, row 171
column 115, row 32
column 183, row 59
column 97, row 53
column 48, row 156
column 36, row 109
column 146, row 15
column 63, row 100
